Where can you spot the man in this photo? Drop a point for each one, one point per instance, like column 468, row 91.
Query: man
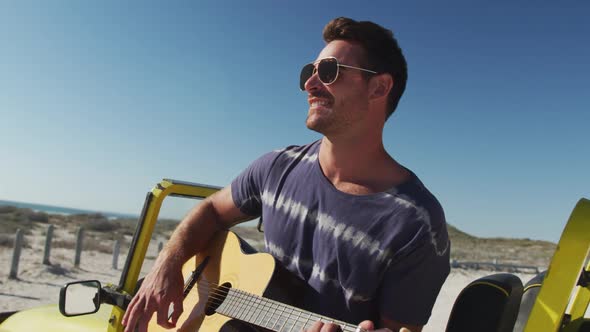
column 339, row 213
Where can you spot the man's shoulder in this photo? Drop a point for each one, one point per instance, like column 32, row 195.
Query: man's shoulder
column 414, row 194
column 309, row 147
column 414, row 205
column 307, row 152
column 279, row 158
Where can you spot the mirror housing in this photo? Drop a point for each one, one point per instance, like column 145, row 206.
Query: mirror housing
column 80, row 298
column 84, row 297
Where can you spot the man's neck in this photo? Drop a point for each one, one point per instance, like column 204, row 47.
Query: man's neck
column 360, row 166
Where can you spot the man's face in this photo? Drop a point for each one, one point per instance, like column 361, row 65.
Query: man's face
column 338, row 107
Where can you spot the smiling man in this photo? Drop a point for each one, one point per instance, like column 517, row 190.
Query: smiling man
column 340, row 213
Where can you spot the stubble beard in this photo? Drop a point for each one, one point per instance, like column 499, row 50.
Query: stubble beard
column 320, row 121
column 332, row 124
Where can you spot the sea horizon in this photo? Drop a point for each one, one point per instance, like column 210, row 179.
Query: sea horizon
column 53, row 209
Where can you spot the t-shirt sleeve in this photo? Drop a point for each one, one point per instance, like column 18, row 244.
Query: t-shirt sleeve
column 411, row 283
column 248, row 186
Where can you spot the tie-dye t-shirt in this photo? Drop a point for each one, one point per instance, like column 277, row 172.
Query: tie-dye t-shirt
column 379, row 254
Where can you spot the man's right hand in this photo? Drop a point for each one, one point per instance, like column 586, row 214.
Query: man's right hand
column 164, row 284
column 161, row 287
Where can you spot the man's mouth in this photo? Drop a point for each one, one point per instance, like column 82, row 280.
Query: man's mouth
column 319, row 102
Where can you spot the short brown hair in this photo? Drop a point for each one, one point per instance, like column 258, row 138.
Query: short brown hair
column 383, row 52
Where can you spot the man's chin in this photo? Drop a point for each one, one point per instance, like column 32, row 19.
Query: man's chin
column 315, row 125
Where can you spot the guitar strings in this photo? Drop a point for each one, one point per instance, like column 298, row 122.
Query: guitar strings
column 221, row 293
column 243, row 299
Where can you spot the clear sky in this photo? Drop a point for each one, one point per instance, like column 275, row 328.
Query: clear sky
column 101, row 100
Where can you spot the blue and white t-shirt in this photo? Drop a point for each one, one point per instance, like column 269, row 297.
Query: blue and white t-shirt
column 369, row 255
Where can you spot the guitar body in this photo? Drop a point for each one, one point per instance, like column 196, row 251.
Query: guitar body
column 228, row 262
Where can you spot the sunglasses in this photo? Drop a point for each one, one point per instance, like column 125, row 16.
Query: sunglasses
column 327, row 69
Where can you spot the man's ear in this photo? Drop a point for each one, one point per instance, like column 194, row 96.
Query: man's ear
column 380, row 85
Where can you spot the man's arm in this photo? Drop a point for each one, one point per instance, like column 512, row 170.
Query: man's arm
column 163, row 284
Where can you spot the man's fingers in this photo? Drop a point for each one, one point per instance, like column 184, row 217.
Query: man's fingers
column 163, row 309
column 132, row 315
column 331, row 327
column 367, row 325
column 316, row 327
column 178, row 309
column 128, row 310
column 143, row 325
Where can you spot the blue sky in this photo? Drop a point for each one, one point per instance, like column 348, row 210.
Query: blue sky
column 100, row 101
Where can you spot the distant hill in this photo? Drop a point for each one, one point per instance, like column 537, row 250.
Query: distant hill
column 464, row 247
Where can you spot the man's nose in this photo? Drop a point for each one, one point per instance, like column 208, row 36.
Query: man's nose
column 313, row 83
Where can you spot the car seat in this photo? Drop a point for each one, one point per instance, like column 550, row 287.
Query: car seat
column 488, row 304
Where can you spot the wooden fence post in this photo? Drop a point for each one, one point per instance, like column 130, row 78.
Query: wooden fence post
column 18, row 242
column 116, row 250
column 48, row 245
column 79, row 238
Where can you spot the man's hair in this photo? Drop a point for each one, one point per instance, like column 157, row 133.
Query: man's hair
column 383, row 53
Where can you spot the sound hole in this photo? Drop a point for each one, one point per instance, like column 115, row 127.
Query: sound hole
column 216, row 298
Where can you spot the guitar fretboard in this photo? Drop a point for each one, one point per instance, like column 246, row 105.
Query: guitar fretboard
column 271, row 314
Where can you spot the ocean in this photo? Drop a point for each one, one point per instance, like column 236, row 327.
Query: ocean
column 64, row 210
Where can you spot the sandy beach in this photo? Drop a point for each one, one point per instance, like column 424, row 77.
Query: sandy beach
column 39, row 284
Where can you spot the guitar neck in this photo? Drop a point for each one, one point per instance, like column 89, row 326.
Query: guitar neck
column 270, row 314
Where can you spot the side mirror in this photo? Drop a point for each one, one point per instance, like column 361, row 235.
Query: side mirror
column 79, row 298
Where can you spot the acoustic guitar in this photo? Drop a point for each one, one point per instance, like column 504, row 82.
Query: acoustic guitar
column 230, row 288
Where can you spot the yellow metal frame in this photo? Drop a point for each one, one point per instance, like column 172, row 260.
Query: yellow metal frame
column 562, row 279
column 144, row 232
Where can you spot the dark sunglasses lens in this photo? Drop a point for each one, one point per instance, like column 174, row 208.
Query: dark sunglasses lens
column 306, row 73
column 328, row 70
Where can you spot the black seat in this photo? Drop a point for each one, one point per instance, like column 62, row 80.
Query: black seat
column 531, row 290
column 488, row 304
